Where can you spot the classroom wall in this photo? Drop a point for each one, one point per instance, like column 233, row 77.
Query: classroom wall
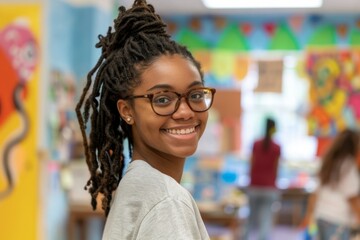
column 72, row 34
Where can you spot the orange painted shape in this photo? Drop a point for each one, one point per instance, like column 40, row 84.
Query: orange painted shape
column 246, row 28
column 8, row 81
column 323, row 145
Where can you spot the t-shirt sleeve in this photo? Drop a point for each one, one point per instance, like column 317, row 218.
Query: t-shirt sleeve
column 350, row 182
column 170, row 219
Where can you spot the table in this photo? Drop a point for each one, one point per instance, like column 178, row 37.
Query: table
column 79, row 214
column 216, row 214
column 212, row 213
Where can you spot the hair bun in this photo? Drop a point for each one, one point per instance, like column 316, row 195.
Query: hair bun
column 138, row 22
column 140, row 2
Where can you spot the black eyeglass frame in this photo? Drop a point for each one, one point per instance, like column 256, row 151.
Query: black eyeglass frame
column 150, row 96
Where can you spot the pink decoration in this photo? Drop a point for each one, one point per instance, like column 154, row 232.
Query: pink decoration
column 19, row 44
column 270, row 28
column 296, row 23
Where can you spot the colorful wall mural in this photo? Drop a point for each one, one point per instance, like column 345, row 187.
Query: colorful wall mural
column 224, row 46
column 334, row 77
column 20, row 32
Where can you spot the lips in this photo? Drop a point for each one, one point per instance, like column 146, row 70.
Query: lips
column 182, row 131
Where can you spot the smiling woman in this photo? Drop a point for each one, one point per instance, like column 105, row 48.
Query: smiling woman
column 147, row 90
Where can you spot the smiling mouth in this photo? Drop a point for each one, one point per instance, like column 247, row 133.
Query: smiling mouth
column 183, row 131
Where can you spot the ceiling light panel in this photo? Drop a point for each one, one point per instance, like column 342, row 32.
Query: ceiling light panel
column 233, row 4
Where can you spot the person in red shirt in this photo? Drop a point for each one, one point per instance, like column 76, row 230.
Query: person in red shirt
column 262, row 191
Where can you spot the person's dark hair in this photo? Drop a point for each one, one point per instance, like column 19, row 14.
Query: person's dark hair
column 270, row 126
column 344, row 146
column 138, row 39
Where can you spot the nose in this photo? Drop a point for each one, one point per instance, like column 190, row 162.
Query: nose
column 183, row 111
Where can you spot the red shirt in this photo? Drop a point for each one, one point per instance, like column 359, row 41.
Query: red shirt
column 264, row 164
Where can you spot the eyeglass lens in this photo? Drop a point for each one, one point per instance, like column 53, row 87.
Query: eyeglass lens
column 166, row 103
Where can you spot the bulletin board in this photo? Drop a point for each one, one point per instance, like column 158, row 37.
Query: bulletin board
column 20, row 28
column 270, row 76
column 227, row 103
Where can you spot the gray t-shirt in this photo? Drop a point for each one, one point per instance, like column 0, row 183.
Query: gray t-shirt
column 151, row 205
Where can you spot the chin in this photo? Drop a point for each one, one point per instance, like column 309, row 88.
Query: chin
column 186, row 153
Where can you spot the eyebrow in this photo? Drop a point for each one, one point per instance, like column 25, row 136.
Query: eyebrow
column 167, row 86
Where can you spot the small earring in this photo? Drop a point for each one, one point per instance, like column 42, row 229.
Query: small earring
column 128, row 119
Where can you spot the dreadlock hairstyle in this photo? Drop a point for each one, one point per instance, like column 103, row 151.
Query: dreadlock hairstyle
column 138, row 39
column 345, row 144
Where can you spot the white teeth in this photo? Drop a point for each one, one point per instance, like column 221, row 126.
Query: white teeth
column 181, row 131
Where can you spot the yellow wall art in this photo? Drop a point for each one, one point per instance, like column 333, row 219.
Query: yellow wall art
column 20, row 36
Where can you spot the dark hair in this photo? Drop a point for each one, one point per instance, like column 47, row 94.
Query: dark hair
column 270, row 125
column 345, row 144
column 138, row 39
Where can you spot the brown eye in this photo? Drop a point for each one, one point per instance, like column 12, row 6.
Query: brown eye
column 164, row 99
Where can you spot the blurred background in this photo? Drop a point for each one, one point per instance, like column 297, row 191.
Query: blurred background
column 300, row 66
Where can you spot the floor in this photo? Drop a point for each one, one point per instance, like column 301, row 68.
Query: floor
column 287, row 233
column 279, row 233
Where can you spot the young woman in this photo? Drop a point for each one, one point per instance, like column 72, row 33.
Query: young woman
column 335, row 205
column 150, row 91
column 262, row 191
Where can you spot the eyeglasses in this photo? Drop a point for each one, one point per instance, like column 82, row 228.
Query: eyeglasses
column 165, row 103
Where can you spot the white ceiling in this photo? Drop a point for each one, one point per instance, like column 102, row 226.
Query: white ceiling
column 196, row 7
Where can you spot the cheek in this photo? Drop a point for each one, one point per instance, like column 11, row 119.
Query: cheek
column 147, row 123
column 203, row 117
column 358, row 159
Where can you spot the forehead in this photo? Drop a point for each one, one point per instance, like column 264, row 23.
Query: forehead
column 169, row 72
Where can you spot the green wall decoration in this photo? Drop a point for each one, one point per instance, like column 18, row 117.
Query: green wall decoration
column 244, row 34
column 354, row 39
column 324, row 36
column 232, row 39
column 283, row 39
column 192, row 40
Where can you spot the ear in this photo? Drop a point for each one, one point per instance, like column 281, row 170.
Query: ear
column 125, row 110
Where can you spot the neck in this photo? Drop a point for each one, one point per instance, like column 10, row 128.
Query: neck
column 171, row 166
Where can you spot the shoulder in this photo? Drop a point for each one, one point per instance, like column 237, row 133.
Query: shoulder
column 277, row 146
column 174, row 220
column 143, row 192
column 257, row 143
column 349, row 168
column 349, row 163
column 141, row 181
column 349, row 182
